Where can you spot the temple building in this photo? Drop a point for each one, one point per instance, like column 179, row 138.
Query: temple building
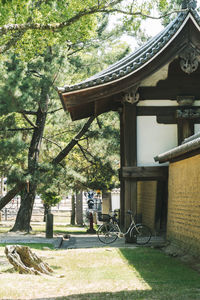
column 156, row 91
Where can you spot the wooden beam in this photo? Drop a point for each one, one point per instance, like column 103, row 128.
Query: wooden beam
column 161, row 110
column 166, row 114
column 145, row 173
column 168, row 92
column 166, row 119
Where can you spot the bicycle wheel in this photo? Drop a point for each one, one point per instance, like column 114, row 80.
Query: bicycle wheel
column 141, row 233
column 107, row 233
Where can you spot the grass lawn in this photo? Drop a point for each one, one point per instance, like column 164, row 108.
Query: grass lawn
column 98, row 273
column 31, row 245
column 58, row 229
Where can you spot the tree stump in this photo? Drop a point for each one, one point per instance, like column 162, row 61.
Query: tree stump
column 25, row 261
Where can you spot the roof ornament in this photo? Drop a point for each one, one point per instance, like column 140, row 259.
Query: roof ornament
column 190, row 4
column 190, row 58
column 131, row 96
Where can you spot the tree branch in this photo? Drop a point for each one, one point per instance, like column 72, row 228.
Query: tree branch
column 104, row 8
column 17, row 129
column 53, row 111
column 86, row 151
column 17, row 36
column 11, row 194
column 73, row 142
column 84, row 154
column 139, row 13
column 19, row 186
column 28, row 112
column 75, row 51
column 98, row 123
column 28, row 120
column 50, row 141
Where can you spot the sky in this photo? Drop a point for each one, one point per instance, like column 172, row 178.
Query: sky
column 151, row 26
column 154, row 26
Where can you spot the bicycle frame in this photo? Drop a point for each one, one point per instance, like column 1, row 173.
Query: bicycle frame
column 129, row 230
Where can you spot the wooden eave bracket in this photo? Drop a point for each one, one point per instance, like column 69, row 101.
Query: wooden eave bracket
column 131, row 95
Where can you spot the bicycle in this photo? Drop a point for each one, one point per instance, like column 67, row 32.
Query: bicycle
column 109, row 231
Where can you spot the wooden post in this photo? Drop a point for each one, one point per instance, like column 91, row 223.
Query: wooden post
column 160, row 209
column 129, row 158
column 185, row 129
column 122, row 163
column 49, row 226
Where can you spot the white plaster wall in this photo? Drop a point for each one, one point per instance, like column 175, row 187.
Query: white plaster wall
column 157, row 103
column 115, row 199
column 196, row 128
column 153, row 139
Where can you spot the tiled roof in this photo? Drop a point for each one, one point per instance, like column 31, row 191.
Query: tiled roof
column 189, row 145
column 137, row 59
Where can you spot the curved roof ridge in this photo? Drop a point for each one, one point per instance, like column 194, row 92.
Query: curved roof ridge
column 136, row 59
column 129, row 56
column 135, row 53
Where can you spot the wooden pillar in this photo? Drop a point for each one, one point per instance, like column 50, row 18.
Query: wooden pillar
column 185, row 129
column 122, row 185
column 129, row 153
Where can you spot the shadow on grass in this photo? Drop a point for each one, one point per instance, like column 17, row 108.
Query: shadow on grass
column 127, row 295
column 157, row 268
column 167, row 277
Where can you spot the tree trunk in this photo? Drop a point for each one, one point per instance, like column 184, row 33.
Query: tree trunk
column 20, row 186
column 25, row 261
column 23, row 219
column 1, row 188
column 47, row 210
column 73, row 210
